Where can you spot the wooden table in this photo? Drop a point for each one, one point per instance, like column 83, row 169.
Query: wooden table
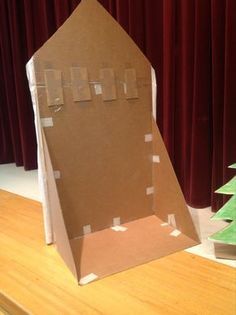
column 34, row 278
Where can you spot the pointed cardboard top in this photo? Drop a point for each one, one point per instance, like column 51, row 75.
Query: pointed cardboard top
column 91, row 36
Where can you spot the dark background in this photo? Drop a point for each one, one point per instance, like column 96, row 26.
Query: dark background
column 192, row 46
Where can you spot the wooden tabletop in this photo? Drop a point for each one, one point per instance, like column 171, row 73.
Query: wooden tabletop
column 34, row 278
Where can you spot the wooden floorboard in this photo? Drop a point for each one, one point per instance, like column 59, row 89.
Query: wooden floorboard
column 7, row 306
column 35, row 280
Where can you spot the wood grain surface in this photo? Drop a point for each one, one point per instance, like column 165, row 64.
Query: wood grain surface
column 34, row 278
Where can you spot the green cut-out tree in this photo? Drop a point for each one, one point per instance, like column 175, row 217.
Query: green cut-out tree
column 227, row 212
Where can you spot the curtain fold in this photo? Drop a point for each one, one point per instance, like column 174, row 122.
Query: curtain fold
column 218, row 77
column 229, row 126
column 191, row 45
column 201, row 146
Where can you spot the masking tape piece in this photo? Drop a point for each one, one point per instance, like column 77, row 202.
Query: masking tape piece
column 175, row 233
column 87, row 229
column 171, row 220
column 116, row 221
column 154, row 94
column 107, row 78
column 80, row 84
column 148, row 137
column 165, row 224
column 57, row 174
column 87, row 279
column 119, row 228
column 130, row 87
column 156, row 159
column 149, row 190
column 54, row 90
column 98, row 88
column 46, row 122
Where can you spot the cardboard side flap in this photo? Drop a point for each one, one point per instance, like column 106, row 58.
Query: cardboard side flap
column 169, row 202
column 60, row 233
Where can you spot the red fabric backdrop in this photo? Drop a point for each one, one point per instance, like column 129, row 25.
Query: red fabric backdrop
column 192, row 46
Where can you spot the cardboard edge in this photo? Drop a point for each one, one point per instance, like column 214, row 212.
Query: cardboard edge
column 30, row 70
column 174, row 203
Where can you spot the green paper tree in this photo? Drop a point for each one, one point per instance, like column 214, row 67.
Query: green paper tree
column 227, row 212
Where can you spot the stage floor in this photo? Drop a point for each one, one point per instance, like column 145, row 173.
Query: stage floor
column 34, row 279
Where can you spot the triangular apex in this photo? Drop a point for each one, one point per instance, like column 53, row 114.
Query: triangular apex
column 99, row 29
column 110, row 188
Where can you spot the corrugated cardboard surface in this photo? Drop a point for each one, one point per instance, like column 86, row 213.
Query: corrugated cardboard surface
column 98, row 146
column 107, row 252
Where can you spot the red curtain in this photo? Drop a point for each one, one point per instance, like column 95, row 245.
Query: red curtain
column 192, row 46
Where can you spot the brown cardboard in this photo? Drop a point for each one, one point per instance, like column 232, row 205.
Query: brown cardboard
column 168, row 197
column 80, row 84
column 103, row 146
column 108, row 84
column 53, row 87
column 107, row 252
column 61, row 238
column 131, row 89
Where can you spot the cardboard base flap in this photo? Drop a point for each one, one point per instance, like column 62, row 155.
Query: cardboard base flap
column 106, row 252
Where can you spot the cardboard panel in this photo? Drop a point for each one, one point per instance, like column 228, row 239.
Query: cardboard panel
column 60, row 232
column 107, row 252
column 99, row 148
column 168, row 198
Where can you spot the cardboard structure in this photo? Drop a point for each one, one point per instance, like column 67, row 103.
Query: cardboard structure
column 109, row 188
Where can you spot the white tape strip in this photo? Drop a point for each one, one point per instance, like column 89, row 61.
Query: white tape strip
column 98, row 88
column 165, row 224
column 31, row 72
column 156, row 159
column 87, row 229
column 149, row 190
column 116, row 221
column 46, row 122
column 154, row 94
column 175, row 233
column 87, row 279
column 148, row 138
column 171, row 220
column 57, row 174
column 119, row 228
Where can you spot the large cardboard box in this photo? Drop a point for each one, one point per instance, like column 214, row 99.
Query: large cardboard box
column 109, row 187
